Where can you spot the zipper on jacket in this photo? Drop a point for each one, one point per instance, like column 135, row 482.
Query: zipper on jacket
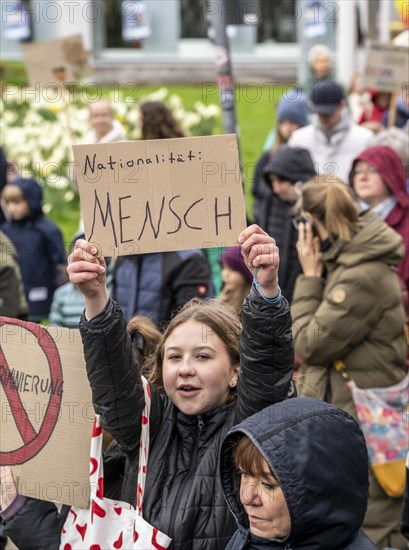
column 192, row 470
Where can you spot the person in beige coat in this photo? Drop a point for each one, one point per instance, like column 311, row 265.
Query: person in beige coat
column 347, row 306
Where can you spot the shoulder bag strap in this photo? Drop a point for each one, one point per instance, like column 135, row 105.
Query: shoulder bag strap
column 144, row 446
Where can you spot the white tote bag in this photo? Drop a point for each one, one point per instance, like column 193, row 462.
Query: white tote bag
column 109, row 524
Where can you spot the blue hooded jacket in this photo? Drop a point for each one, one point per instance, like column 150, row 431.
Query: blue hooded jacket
column 40, row 247
column 318, row 455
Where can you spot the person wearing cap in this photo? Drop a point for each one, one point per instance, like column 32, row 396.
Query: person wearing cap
column 333, row 139
column 291, row 114
column 237, row 278
column 284, row 170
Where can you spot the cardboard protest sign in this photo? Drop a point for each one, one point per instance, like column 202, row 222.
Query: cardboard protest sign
column 387, row 67
column 46, row 411
column 55, row 62
column 161, row 195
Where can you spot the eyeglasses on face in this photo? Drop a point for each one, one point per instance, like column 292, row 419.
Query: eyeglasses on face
column 364, row 169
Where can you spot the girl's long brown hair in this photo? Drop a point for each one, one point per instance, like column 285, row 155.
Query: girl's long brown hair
column 158, row 121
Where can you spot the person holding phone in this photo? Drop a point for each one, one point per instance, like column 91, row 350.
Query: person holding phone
column 347, row 306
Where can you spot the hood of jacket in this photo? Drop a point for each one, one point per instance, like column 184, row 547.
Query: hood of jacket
column 375, row 241
column 32, row 192
column 307, row 444
column 390, row 167
column 290, row 163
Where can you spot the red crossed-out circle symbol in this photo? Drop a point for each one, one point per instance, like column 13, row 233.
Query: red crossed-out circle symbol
column 33, row 441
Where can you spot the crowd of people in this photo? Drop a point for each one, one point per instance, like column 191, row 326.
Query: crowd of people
column 254, row 438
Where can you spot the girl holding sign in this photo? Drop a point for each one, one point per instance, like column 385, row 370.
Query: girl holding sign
column 201, row 386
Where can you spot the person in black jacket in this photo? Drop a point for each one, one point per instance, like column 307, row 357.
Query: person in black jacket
column 295, row 475
column 281, row 173
column 201, row 385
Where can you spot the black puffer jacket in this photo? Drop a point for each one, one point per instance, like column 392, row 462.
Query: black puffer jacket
column 183, row 496
column 318, row 455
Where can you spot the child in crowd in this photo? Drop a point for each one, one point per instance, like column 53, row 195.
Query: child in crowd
column 38, row 242
column 295, row 475
column 237, row 278
column 201, row 386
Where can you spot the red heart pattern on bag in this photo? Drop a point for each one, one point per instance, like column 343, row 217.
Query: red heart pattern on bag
column 118, row 543
column 97, row 524
column 82, row 529
column 97, row 510
column 100, row 490
column 94, row 466
column 155, row 543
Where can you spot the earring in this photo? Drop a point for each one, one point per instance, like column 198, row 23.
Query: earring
column 232, row 383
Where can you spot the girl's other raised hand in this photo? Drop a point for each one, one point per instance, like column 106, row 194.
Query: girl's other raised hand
column 260, row 251
column 87, row 271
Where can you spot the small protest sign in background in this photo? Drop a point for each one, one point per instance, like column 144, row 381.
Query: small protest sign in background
column 387, row 67
column 56, row 62
column 161, row 195
column 46, row 411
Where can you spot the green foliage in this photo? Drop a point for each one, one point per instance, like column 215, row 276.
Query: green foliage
column 13, row 73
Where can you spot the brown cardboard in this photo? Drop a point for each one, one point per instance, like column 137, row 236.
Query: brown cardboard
column 161, row 195
column 47, row 442
column 56, row 62
column 387, row 67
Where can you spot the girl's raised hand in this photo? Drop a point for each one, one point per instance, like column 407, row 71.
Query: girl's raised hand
column 260, row 251
column 87, row 271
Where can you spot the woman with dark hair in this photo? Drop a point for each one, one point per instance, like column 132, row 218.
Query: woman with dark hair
column 158, row 122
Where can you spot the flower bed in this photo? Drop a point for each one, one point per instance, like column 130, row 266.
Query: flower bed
column 38, row 130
